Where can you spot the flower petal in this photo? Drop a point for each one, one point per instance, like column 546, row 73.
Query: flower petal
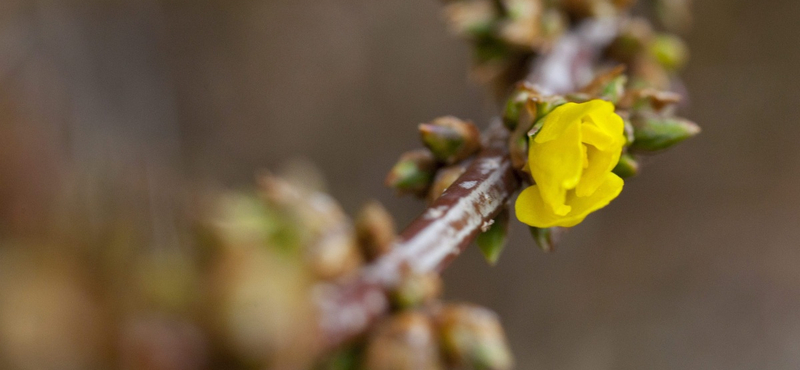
column 600, row 163
column 556, row 166
column 583, row 206
column 560, row 119
column 531, row 209
column 605, row 119
column 596, row 137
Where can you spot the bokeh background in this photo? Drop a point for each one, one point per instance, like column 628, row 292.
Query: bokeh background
column 695, row 266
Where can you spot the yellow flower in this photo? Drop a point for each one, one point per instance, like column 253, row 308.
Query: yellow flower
column 570, row 160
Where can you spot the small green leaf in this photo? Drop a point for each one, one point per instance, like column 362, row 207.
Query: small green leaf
column 492, row 241
column 548, row 238
column 627, row 166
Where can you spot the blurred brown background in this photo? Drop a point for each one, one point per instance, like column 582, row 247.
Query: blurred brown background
column 695, row 266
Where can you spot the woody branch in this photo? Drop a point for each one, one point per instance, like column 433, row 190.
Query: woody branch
column 450, row 223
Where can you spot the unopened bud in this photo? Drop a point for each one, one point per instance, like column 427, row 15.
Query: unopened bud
column 546, row 104
column 614, row 90
column 547, row 239
column 627, row 166
column 335, row 254
column 416, row 289
column 518, row 150
column 375, row 230
column 627, row 128
column 653, row 132
column 516, row 104
column 670, row 51
column 602, row 81
column 472, row 337
column 493, row 240
column 444, row 178
column 648, row 72
column 413, row 172
column 635, row 34
column 450, row 139
column 405, row 341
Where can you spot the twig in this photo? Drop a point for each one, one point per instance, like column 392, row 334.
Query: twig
column 448, row 225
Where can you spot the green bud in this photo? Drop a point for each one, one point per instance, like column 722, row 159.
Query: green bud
column 472, row 337
column 627, row 129
column 404, row 341
column 670, row 51
column 614, row 90
column 545, row 105
column 413, row 172
column 416, row 289
column 605, row 85
column 375, row 230
column 547, row 239
column 493, row 240
column 450, row 139
column 653, row 132
column 518, row 148
column 627, row 166
column 516, row 104
column 444, row 178
column 635, row 34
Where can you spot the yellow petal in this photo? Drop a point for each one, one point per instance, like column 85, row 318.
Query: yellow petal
column 600, row 163
column 532, row 210
column 583, row 206
column 602, row 115
column 556, row 166
column 596, row 137
column 560, row 119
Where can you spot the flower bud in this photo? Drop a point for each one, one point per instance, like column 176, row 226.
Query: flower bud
column 416, row 289
column 473, row 338
column 375, row 230
column 334, row 254
column 670, row 51
column 635, row 34
column 518, row 150
column 602, row 81
column 493, row 240
column 405, row 341
column 546, row 104
column 413, row 172
column 547, row 239
column 653, row 132
column 450, row 139
column 444, row 178
column 627, row 166
column 613, row 90
column 517, row 103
